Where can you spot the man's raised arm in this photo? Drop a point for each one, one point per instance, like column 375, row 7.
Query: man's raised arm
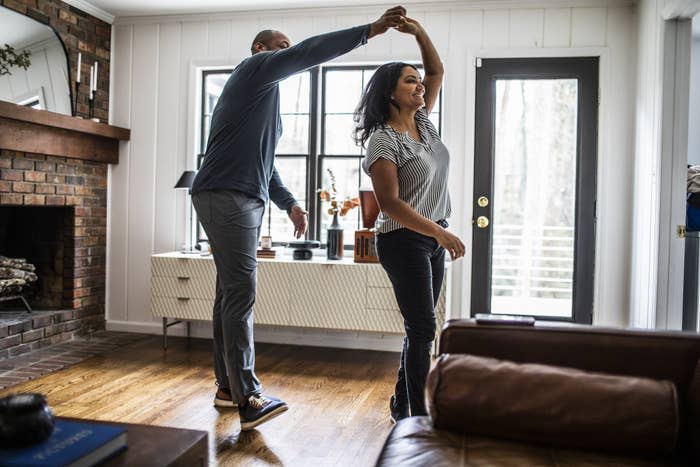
column 280, row 64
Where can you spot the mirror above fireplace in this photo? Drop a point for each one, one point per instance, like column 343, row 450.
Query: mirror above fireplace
column 44, row 84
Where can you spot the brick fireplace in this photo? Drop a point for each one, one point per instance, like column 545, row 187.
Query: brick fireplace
column 66, row 200
column 55, row 167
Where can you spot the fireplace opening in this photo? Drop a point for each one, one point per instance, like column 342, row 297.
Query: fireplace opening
column 41, row 235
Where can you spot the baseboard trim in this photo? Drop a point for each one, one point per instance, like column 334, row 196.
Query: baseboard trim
column 277, row 335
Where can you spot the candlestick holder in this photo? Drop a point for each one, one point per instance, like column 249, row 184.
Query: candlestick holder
column 92, row 104
column 77, row 92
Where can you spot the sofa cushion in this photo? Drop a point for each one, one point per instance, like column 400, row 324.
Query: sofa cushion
column 553, row 405
column 415, row 442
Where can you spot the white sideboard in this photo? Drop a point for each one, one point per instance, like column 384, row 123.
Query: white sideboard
column 318, row 293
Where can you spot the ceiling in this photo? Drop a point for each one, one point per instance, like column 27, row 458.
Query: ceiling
column 119, row 8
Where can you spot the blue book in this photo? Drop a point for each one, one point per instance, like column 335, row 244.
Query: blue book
column 72, row 444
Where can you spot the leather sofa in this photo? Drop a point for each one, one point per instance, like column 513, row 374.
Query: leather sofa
column 653, row 356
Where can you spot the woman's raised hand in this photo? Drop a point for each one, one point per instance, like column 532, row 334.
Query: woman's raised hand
column 410, row 26
column 392, row 18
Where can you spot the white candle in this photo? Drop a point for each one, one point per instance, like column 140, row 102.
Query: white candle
column 78, row 74
column 92, row 77
column 95, row 76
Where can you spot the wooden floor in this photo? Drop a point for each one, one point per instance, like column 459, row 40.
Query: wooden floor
column 338, row 399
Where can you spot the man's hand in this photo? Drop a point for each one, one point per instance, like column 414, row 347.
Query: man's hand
column 298, row 217
column 392, row 18
column 410, row 26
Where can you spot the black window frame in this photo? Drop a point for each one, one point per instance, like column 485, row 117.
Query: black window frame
column 316, row 153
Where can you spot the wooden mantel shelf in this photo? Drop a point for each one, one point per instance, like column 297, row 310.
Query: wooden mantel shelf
column 43, row 132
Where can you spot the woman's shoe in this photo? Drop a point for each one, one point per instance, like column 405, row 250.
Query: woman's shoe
column 397, row 413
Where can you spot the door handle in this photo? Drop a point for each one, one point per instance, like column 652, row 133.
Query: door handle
column 482, row 222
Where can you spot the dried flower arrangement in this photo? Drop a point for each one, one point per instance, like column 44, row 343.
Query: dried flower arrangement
column 337, row 207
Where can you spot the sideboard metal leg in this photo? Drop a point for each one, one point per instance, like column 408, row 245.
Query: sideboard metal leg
column 165, row 333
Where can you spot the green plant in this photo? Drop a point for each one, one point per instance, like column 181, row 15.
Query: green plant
column 9, row 58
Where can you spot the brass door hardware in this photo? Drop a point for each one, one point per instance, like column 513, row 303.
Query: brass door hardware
column 482, row 222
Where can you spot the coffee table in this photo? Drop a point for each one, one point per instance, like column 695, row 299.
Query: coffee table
column 158, row 445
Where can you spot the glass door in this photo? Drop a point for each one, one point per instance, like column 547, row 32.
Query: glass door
column 534, row 190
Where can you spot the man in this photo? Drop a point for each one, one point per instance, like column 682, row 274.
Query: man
column 235, row 181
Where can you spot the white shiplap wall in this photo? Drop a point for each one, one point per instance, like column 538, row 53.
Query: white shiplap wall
column 645, row 222
column 48, row 75
column 153, row 85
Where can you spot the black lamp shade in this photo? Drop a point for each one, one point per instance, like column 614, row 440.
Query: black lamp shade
column 186, row 179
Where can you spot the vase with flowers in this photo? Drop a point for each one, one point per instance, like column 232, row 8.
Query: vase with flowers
column 334, row 243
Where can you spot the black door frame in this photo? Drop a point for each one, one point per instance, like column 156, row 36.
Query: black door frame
column 585, row 70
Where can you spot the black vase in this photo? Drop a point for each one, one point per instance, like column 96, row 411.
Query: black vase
column 334, row 245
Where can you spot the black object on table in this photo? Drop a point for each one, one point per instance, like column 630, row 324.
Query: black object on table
column 302, row 248
column 25, row 419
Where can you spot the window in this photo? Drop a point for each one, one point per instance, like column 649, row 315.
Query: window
column 317, row 108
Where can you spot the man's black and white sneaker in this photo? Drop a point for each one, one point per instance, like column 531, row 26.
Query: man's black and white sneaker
column 260, row 409
column 223, row 399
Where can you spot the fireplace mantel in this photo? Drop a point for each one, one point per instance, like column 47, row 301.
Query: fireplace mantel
column 43, row 132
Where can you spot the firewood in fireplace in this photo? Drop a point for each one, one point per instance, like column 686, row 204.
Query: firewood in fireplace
column 16, row 274
column 12, row 273
column 17, row 263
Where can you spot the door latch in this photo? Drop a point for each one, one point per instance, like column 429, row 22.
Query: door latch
column 482, row 222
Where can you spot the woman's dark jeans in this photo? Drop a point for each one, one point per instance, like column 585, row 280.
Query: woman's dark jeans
column 415, row 264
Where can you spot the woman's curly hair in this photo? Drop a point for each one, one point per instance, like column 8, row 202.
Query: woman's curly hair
column 373, row 110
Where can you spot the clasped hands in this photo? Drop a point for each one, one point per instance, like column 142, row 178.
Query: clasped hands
column 395, row 18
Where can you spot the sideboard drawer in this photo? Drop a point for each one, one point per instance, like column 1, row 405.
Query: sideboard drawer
column 201, row 268
column 378, row 320
column 182, row 308
column 376, row 276
column 381, row 298
column 327, row 296
column 184, row 286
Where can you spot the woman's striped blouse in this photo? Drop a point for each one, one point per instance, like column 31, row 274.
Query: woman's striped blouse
column 422, row 169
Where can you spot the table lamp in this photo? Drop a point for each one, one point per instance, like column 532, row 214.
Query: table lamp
column 185, row 181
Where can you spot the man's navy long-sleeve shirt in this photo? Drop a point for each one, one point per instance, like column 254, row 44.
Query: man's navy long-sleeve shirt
column 246, row 123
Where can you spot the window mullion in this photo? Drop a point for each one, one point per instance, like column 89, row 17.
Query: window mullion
column 312, row 160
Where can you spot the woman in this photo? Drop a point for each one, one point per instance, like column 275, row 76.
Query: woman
column 408, row 165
